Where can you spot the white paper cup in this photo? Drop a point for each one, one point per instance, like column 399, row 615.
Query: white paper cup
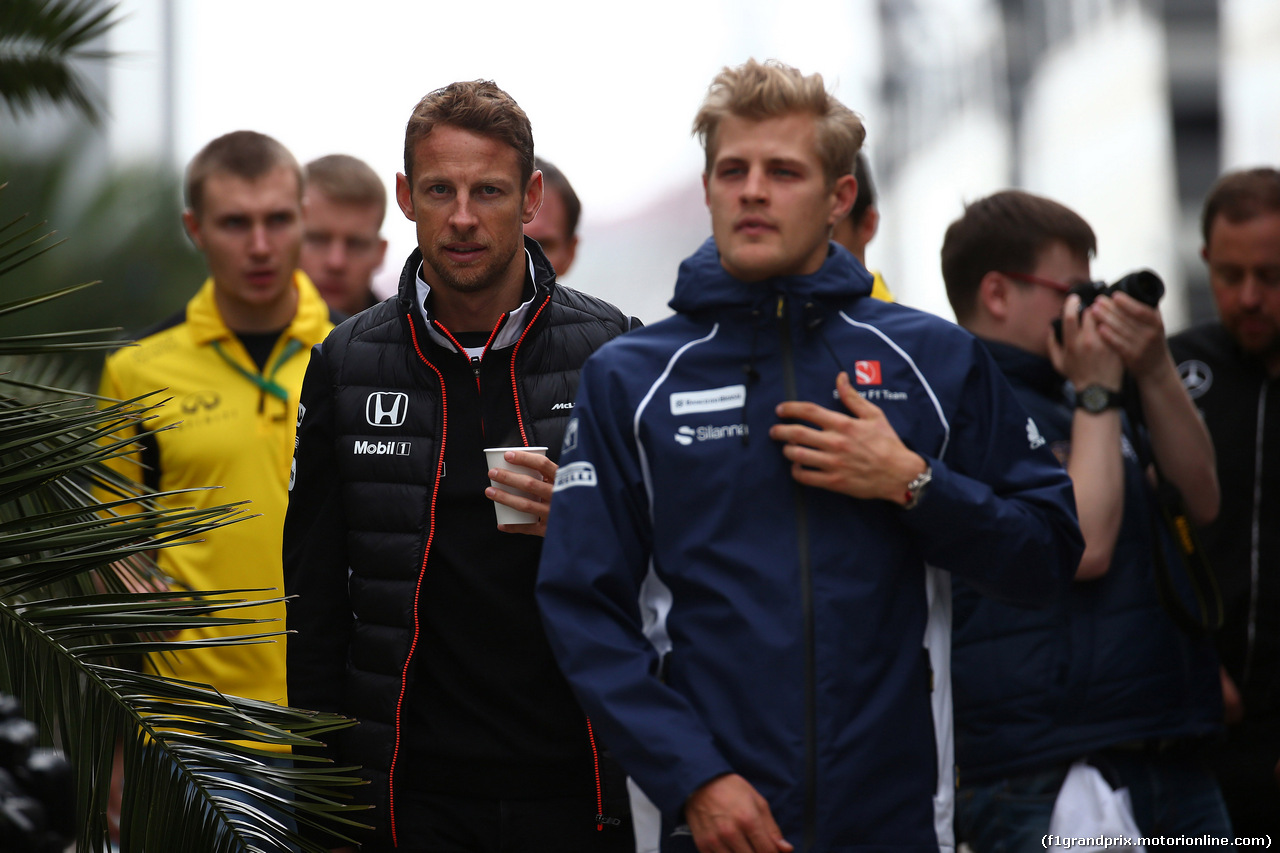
column 497, row 459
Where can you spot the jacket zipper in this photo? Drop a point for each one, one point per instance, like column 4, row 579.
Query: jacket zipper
column 595, row 762
column 806, row 590
column 1255, row 533
column 417, row 590
column 515, row 393
column 475, row 361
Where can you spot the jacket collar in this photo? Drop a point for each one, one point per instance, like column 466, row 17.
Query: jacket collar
column 704, row 285
column 538, row 284
column 309, row 325
column 1026, row 368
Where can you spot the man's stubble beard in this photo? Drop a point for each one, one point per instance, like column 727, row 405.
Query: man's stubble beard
column 475, row 280
column 1265, row 349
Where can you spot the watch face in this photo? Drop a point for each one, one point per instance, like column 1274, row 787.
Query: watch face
column 1094, row 399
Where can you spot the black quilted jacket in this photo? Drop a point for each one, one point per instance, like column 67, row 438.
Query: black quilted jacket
column 361, row 515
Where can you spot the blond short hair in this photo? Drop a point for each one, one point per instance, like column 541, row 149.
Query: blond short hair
column 348, row 180
column 771, row 89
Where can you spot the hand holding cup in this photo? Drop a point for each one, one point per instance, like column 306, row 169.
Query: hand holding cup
column 522, row 479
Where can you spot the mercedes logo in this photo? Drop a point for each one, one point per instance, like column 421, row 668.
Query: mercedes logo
column 1196, row 377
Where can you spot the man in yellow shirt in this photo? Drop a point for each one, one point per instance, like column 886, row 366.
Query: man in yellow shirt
column 855, row 231
column 232, row 363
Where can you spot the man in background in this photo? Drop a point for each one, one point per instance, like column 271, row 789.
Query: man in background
column 556, row 225
column 1231, row 368
column 1105, row 674
column 342, row 246
column 232, row 361
column 857, row 229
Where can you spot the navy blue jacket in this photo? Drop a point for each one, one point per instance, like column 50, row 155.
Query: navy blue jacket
column 1105, row 665
column 794, row 617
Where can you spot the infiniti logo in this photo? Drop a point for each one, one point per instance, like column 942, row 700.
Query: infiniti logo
column 386, row 408
column 193, row 403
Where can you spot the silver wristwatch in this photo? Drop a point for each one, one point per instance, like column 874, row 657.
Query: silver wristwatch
column 1096, row 399
column 915, row 489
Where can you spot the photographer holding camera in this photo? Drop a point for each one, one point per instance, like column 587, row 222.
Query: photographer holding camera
column 1113, row 674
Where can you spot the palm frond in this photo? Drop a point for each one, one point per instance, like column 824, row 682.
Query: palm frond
column 26, row 250
column 41, row 41
column 79, row 595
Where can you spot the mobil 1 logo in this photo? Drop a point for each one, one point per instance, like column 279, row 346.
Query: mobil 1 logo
column 382, row 448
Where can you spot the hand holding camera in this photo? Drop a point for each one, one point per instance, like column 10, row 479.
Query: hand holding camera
column 1127, row 320
column 1080, row 353
column 1136, row 331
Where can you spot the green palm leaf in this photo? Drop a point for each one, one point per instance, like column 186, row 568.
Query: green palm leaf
column 40, row 43
column 71, row 567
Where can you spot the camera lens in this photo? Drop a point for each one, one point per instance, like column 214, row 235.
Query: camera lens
column 1144, row 286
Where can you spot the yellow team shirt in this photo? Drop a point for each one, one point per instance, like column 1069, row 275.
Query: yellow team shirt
column 226, row 432
column 880, row 290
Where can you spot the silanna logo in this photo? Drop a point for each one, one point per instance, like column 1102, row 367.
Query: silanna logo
column 386, row 408
column 687, row 435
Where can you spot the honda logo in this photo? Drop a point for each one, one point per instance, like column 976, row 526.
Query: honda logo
column 386, row 408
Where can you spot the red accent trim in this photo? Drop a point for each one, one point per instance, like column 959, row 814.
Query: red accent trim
column 595, row 758
column 431, row 533
column 515, row 391
column 1060, row 286
column 494, row 333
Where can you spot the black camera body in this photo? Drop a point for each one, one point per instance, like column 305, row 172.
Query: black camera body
column 1143, row 285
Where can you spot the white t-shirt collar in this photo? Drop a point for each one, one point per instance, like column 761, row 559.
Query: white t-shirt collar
column 510, row 332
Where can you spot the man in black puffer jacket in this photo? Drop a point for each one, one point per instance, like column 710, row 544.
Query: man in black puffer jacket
column 414, row 610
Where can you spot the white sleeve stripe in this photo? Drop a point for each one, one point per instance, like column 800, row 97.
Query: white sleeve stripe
column 928, row 389
column 644, row 402
column 937, row 642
